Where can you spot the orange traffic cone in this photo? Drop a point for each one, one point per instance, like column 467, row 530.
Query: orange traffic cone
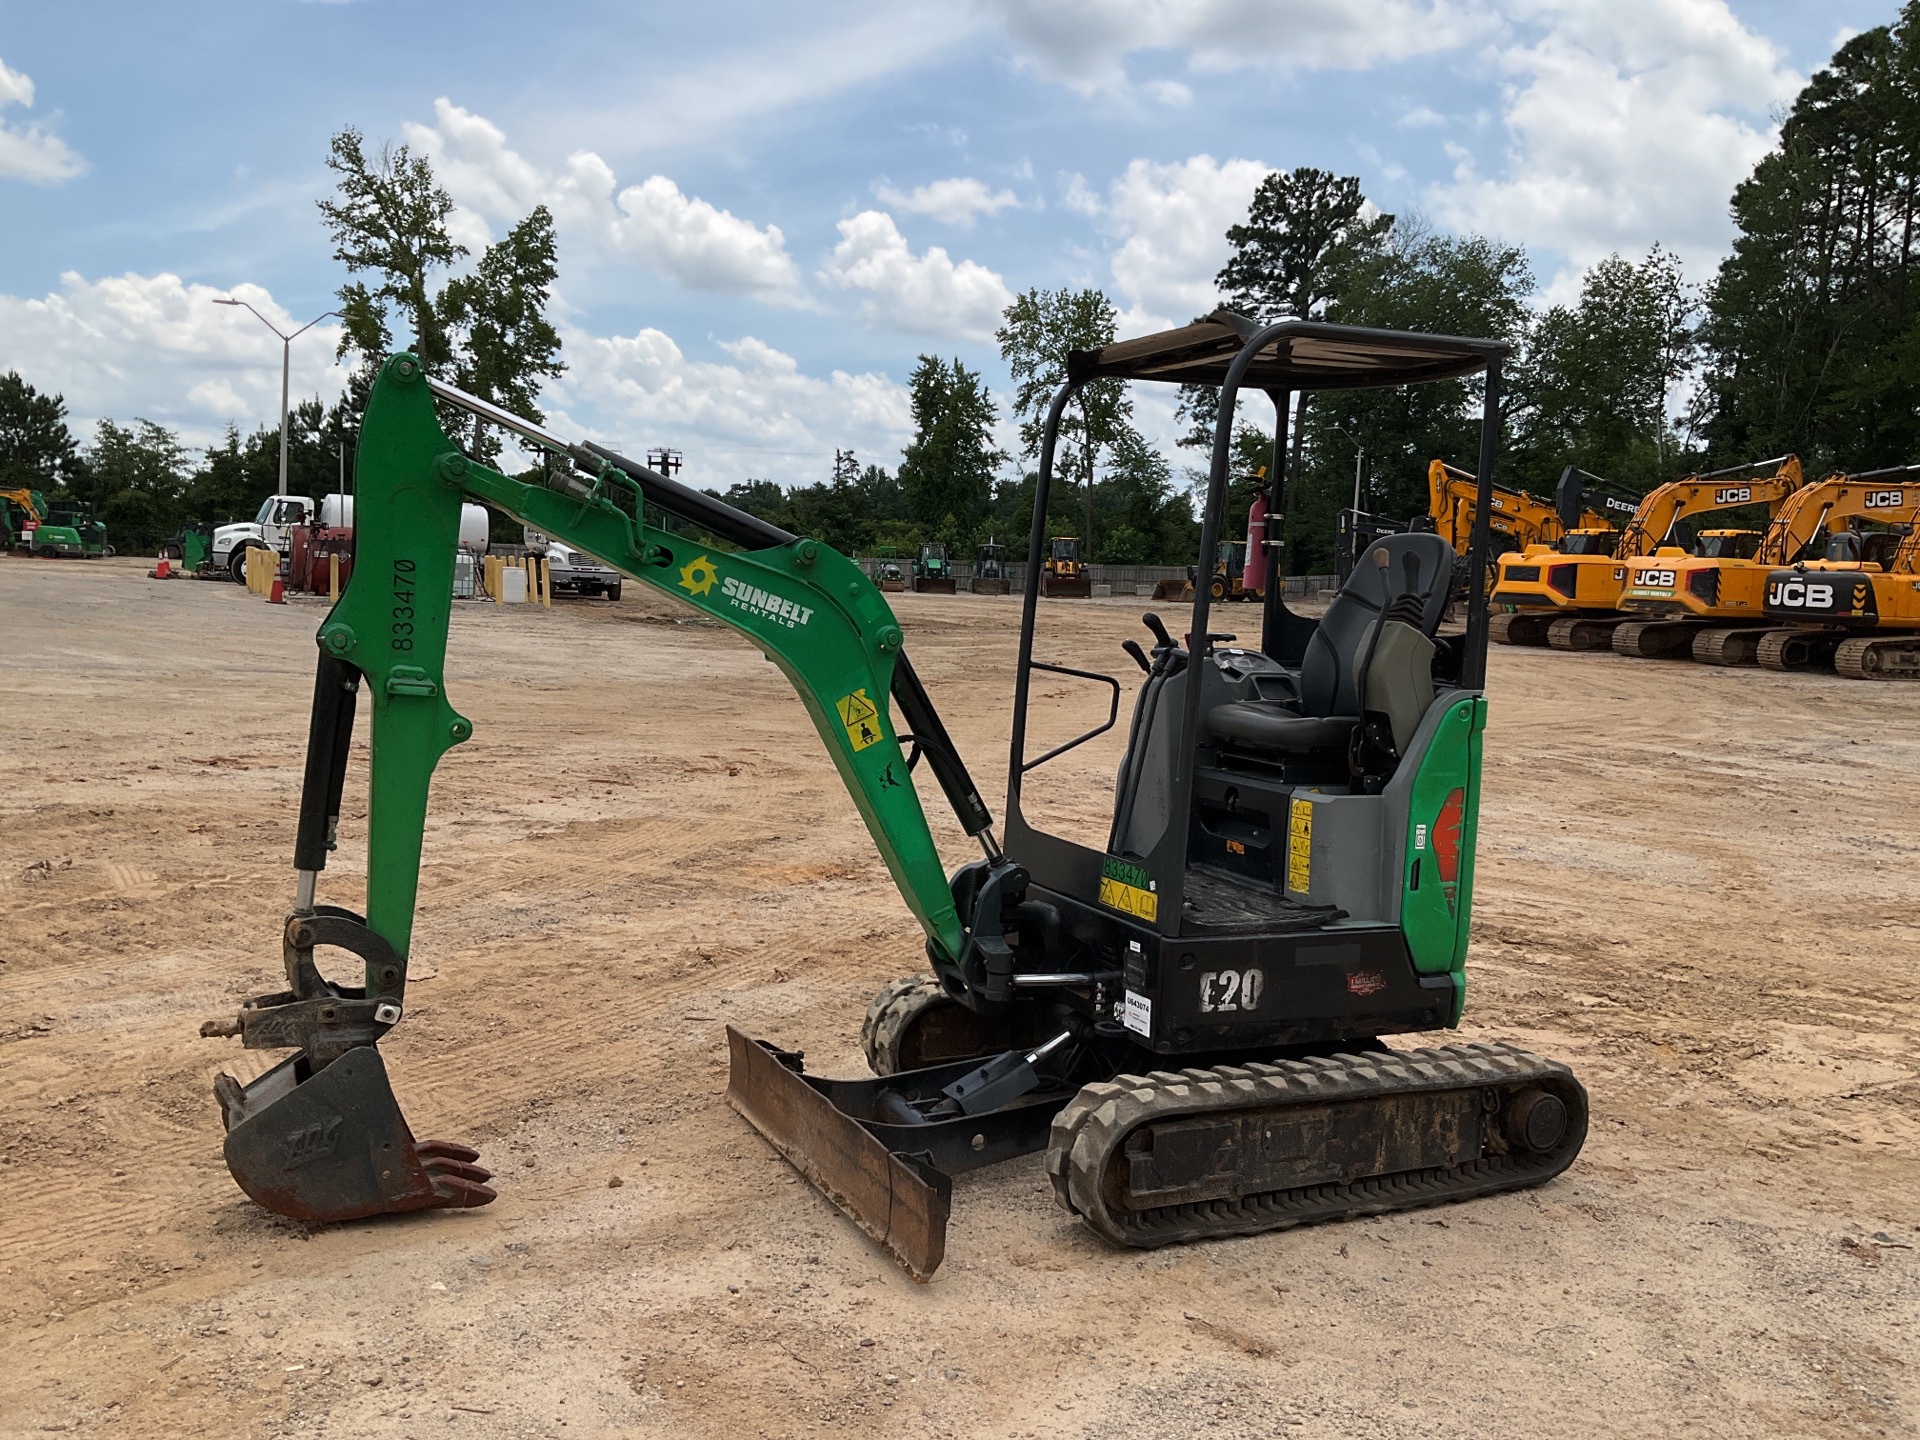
column 279, row 595
column 162, row 568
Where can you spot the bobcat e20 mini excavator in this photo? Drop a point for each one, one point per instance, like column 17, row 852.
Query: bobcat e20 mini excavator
column 1186, row 1015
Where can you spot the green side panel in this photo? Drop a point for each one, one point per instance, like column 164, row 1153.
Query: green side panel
column 809, row 609
column 1443, row 821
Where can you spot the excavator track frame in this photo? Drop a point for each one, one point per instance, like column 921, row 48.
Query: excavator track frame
column 1803, row 648
column 1654, row 639
column 1727, row 645
column 1878, row 657
column 1391, row 1128
column 1582, row 632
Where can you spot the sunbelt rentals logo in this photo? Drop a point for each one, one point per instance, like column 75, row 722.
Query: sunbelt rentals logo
column 699, row 575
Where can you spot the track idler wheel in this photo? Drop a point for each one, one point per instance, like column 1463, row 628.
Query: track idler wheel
column 1518, row 627
column 1727, row 647
column 331, row 1145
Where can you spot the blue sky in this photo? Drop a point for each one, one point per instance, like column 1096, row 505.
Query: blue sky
column 767, row 211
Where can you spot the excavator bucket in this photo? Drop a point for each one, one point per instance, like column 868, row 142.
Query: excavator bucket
column 333, row 1146
column 900, row 1200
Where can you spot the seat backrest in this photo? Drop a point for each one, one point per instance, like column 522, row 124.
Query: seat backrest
column 1418, row 565
column 1399, row 680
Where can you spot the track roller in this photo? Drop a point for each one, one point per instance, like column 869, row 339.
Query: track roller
column 1878, row 657
column 1582, row 632
column 1739, row 645
column 1797, row 649
column 1160, row 1159
column 1518, row 627
column 1654, row 639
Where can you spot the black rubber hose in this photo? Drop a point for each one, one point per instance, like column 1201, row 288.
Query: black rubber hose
column 336, row 686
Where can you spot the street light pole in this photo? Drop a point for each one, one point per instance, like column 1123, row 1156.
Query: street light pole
column 286, row 368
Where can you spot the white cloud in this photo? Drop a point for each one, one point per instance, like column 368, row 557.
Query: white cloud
column 1086, row 44
column 1078, row 197
column 1629, row 121
column 1171, row 222
column 926, row 294
column 952, row 202
column 26, row 151
column 155, row 346
column 681, row 236
column 759, row 416
column 1422, row 117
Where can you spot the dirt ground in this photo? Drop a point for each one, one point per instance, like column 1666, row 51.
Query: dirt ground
column 1696, row 886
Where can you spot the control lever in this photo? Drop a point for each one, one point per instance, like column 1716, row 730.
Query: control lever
column 1152, row 622
column 1132, row 647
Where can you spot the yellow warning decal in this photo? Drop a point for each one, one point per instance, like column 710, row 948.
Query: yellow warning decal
column 860, row 717
column 1128, row 888
column 1300, row 846
column 1129, row 899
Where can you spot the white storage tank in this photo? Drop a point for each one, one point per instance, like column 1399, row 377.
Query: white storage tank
column 336, row 512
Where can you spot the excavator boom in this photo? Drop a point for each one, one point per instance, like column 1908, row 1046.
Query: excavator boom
column 808, row 608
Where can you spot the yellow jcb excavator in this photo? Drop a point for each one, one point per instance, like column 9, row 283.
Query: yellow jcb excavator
column 1515, row 519
column 1858, row 609
column 1711, row 604
column 1568, row 595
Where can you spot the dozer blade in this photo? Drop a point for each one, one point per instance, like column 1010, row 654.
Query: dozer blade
column 334, row 1147
column 899, row 1200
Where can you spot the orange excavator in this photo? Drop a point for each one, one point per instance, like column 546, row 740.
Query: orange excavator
column 1711, row 604
column 1858, row 609
column 1515, row 519
column 1568, row 595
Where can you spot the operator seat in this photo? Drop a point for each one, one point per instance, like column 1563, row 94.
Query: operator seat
column 1414, row 583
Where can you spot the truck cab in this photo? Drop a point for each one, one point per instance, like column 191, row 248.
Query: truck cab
column 271, row 528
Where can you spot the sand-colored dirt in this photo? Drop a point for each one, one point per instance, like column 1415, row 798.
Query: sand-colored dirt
column 1696, row 886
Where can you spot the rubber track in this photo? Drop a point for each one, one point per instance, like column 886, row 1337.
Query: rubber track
column 1091, row 1133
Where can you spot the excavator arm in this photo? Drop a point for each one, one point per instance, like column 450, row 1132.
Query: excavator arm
column 1716, row 490
column 1828, row 505
column 1522, row 518
column 320, row 1137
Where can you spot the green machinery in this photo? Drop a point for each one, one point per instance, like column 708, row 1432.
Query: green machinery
column 932, row 571
column 1185, row 1013
column 65, row 529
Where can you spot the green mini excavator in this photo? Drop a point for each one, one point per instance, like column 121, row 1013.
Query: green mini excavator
column 1187, row 1012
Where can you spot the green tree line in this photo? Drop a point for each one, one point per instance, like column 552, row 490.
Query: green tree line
column 1807, row 339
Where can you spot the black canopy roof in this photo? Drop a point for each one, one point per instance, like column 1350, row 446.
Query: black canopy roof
column 1302, row 355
